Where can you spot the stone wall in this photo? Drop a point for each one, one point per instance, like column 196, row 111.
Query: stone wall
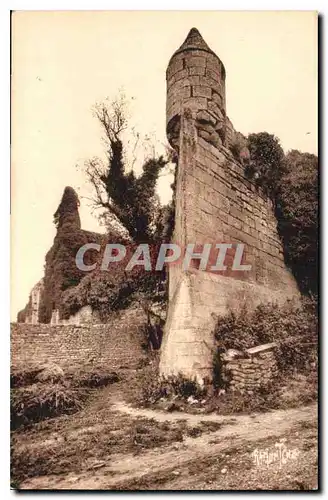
column 32, row 315
column 111, row 346
column 83, row 316
column 249, row 371
column 215, row 203
column 47, row 295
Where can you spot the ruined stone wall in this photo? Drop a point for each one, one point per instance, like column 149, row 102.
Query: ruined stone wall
column 248, row 371
column 118, row 344
column 215, row 203
column 83, row 316
column 61, row 272
column 32, row 315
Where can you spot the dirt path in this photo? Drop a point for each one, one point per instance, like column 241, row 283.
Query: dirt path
column 238, row 431
column 164, row 416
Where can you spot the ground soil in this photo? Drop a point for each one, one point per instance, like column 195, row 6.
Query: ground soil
column 113, row 445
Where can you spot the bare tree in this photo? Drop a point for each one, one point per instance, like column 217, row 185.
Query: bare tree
column 124, row 197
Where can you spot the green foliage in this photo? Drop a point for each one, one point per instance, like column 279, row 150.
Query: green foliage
column 97, row 378
column 284, row 392
column 267, row 164
column 40, row 401
column 170, row 387
column 23, row 378
column 109, row 291
column 129, row 199
column 166, row 221
column 103, row 291
column 130, row 205
column 133, row 198
column 114, row 289
column 67, row 212
column 297, row 214
column 294, row 327
column 47, row 392
column 61, row 271
column 292, row 184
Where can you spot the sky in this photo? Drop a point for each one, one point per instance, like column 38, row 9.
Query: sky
column 63, row 62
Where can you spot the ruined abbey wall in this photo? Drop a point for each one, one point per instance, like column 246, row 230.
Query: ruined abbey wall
column 32, row 315
column 215, row 203
column 111, row 347
column 83, row 316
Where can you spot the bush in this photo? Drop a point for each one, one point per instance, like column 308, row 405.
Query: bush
column 297, row 215
column 267, row 161
column 96, row 379
column 46, row 373
column 40, row 401
column 169, row 387
column 291, row 181
column 22, row 379
column 113, row 289
column 294, row 327
column 47, row 392
column 50, row 373
column 284, row 392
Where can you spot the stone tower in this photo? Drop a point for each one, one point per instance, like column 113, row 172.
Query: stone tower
column 196, row 80
column 215, row 203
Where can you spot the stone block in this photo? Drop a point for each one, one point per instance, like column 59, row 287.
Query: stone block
column 214, row 197
column 206, row 117
column 180, row 74
column 177, row 92
column 204, row 134
column 192, row 61
column 214, row 108
column 174, row 67
column 196, row 70
column 196, row 103
column 212, row 74
column 217, row 99
column 193, row 80
column 214, row 66
column 201, row 91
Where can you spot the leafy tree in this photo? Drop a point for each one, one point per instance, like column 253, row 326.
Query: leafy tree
column 267, row 161
column 134, row 215
column 292, row 183
column 129, row 204
column 297, row 213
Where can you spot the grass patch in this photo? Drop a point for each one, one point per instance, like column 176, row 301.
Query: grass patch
column 47, row 392
column 41, row 401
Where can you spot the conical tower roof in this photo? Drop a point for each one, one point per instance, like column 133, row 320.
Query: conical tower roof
column 194, row 41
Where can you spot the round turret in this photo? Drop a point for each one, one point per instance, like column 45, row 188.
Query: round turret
column 196, row 79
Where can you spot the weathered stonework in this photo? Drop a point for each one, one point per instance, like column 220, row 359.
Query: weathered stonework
column 34, row 301
column 83, row 316
column 215, row 203
column 69, row 234
column 248, row 371
column 72, row 347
